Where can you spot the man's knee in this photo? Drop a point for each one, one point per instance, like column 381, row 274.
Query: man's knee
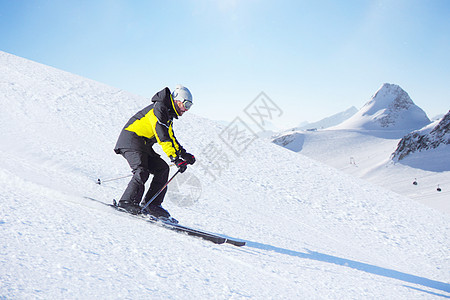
column 162, row 173
column 165, row 170
column 141, row 175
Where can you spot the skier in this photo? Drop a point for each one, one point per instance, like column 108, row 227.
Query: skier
column 150, row 125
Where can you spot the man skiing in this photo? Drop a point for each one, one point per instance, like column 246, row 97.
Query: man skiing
column 151, row 125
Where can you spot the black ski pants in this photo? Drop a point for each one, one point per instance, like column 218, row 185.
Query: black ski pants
column 142, row 165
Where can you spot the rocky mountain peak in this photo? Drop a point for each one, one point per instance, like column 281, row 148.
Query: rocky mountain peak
column 429, row 137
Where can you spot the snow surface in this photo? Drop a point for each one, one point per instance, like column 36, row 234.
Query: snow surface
column 313, row 232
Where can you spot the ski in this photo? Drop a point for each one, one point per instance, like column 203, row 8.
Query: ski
column 216, row 239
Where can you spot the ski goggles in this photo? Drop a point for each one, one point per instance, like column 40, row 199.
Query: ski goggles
column 187, row 104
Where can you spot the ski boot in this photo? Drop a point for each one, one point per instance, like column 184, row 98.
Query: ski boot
column 130, row 207
column 159, row 213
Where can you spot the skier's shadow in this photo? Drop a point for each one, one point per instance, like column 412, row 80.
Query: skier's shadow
column 372, row 269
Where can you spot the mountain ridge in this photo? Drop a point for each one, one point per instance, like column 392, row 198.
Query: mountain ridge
column 329, row 121
column 424, row 139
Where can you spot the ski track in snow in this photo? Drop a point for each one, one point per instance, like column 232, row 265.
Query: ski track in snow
column 312, row 232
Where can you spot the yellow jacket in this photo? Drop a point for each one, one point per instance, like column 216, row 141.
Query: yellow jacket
column 151, row 125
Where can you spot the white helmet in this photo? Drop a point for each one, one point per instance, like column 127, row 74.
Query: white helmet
column 182, row 94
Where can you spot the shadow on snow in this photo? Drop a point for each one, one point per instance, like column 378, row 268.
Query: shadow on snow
column 368, row 268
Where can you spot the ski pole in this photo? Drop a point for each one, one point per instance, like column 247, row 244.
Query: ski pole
column 99, row 181
column 159, row 192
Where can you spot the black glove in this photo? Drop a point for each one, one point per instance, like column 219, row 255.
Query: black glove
column 189, row 158
column 181, row 164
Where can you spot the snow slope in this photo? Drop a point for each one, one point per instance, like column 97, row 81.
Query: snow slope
column 312, row 231
column 367, row 155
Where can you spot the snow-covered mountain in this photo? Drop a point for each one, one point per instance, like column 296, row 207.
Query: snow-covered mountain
column 390, row 108
column 367, row 154
column 329, row 121
column 429, row 137
column 312, row 232
column 434, row 139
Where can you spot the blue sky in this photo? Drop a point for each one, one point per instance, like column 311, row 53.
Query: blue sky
column 312, row 58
